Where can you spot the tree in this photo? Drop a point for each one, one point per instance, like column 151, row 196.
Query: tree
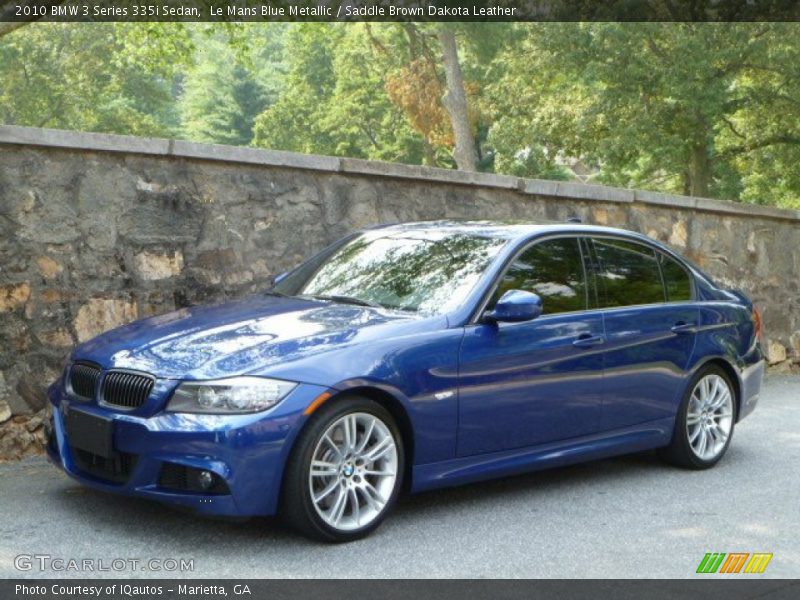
column 228, row 86
column 677, row 107
column 413, row 84
column 438, row 90
column 92, row 77
column 333, row 100
column 349, row 87
column 455, row 101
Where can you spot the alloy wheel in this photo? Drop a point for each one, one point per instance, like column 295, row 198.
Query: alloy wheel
column 353, row 471
column 709, row 417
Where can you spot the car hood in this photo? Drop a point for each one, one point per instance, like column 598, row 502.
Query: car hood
column 238, row 337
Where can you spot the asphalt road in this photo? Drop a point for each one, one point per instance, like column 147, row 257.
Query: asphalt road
column 625, row 517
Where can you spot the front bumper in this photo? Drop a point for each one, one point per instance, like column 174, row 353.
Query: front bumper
column 246, row 453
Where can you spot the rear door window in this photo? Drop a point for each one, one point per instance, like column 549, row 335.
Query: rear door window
column 677, row 281
column 627, row 273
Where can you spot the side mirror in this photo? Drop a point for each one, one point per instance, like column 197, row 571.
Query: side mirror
column 279, row 277
column 515, row 306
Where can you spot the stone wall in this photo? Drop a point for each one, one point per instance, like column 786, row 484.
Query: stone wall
column 98, row 230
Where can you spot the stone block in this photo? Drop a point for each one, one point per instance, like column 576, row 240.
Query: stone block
column 776, row 352
column 101, row 314
column 679, row 235
column 216, row 260
column 152, row 266
column 48, row 267
column 13, row 296
column 59, row 338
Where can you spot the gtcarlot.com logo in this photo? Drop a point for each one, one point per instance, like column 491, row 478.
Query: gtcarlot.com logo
column 734, row 562
column 47, row 562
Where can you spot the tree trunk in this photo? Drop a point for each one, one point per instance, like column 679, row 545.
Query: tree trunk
column 700, row 171
column 428, row 154
column 455, row 101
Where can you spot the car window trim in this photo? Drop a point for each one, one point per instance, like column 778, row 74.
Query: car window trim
column 655, row 259
column 657, row 250
column 476, row 315
column 590, row 264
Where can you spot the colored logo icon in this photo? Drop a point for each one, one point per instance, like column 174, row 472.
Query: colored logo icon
column 734, row 562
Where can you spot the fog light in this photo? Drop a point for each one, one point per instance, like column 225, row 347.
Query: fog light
column 205, row 479
column 182, row 478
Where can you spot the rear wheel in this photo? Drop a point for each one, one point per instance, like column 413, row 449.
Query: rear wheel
column 705, row 421
column 345, row 472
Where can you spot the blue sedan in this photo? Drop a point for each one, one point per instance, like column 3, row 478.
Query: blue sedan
column 413, row 357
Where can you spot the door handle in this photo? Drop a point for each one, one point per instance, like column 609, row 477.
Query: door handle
column 683, row 327
column 587, row 340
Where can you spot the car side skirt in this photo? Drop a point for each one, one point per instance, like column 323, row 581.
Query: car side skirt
column 645, row 436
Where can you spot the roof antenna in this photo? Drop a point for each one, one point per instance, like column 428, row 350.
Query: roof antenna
column 574, row 219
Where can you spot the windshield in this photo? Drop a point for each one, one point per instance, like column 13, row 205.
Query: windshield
column 425, row 272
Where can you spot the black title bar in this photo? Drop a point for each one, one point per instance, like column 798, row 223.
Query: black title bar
column 397, row 10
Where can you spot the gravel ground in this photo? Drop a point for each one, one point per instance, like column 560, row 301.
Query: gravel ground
column 624, row 517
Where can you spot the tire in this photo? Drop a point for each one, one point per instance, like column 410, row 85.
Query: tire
column 697, row 419
column 347, row 496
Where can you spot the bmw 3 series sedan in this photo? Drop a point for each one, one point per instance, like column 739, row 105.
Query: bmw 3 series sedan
column 412, row 357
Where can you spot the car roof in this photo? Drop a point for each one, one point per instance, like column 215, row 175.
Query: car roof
column 508, row 230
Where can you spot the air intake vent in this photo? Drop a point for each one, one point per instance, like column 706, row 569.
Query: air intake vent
column 83, row 380
column 116, row 469
column 128, row 390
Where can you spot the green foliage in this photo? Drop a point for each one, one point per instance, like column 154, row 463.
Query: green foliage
column 230, row 84
column 293, row 122
column 687, row 108
column 333, row 100
column 88, row 77
column 521, row 155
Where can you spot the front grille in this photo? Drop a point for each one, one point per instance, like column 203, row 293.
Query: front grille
column 116, row 469
column 187, row 479
column 129, row 390
column 83, row 380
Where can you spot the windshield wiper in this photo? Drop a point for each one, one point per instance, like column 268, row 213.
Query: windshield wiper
column 345, row 300
column 277, row 294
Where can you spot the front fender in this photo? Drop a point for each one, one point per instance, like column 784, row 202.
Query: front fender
column 431, row 416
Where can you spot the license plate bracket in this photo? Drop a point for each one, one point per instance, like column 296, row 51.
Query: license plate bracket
column 90, row 433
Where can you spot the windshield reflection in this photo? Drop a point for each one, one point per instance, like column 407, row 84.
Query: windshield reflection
column 425, row 272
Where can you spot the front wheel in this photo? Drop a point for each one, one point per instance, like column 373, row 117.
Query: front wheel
column 704, row 425
column 345, row 471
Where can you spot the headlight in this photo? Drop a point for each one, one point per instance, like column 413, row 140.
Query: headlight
column 229, row 396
